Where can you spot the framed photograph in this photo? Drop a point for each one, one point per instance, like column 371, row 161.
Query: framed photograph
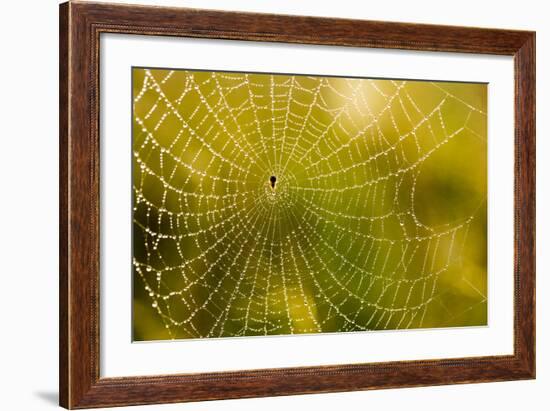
column 258, row 205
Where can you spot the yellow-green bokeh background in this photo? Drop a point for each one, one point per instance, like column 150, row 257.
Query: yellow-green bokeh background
column 378, row 219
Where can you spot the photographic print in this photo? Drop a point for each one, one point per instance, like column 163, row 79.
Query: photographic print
column 242, row 193
column 277, row 204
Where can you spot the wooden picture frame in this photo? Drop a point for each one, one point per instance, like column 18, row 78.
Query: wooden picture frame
column 80, row 27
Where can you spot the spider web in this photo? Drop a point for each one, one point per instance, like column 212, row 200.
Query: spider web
column 340, row 242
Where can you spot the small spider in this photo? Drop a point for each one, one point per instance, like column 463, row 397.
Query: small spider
column 272, row 180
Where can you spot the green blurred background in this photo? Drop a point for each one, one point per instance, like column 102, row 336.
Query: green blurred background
column 377, row 219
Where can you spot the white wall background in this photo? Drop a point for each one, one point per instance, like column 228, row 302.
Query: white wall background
column 29, row 191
